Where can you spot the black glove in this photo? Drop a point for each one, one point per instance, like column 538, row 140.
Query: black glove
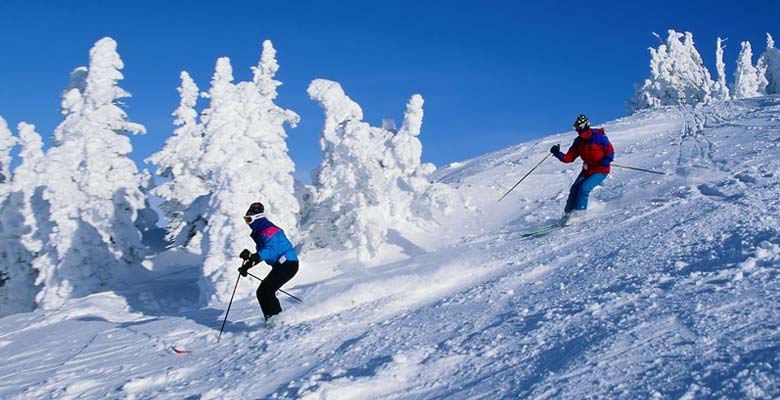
column 254, row 259
column 245, row 254
column 555, row 149
column 244, row 268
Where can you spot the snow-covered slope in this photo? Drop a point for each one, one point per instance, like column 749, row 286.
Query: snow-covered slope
column 669, row 289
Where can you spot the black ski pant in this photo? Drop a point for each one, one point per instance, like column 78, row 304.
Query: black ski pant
column 266, row 293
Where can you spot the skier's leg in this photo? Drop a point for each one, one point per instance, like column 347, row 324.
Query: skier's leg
column 266, row 293
column 574, row 191
column 288, row 270
column 587, row 185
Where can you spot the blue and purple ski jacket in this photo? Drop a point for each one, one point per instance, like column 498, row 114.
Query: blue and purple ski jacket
column 271, row 243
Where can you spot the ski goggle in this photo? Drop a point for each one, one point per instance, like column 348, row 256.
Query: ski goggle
column 249, row 218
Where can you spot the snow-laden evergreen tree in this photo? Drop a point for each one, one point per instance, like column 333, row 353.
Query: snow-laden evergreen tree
column 350, row 182
column 223, row 113
column 17, row 276
column 27, row 175
column 769, row 63
column 749, row 81
column 28, row 180
column 426, row 200
column 369, row 179
column 245, row 158
column 266, row 136
column 19, row 238
column 179, row 161
column 678, row 75
column 92, row 188
column 12, row 257
column 720, row 89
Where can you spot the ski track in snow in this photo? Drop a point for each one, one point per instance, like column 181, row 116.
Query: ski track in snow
column 669, row 291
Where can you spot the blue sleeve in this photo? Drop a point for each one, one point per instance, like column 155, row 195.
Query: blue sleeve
column 610, row 154
column 608, row 159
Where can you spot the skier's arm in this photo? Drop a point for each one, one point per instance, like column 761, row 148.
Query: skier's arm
column 609, row 157
column 268, row 253
column 570, row 155
column 274, row 248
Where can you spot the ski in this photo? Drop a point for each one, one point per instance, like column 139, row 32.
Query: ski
column 181, row 352
column 545, row 230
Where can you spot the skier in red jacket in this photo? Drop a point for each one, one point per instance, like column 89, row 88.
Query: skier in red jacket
column 597, row 153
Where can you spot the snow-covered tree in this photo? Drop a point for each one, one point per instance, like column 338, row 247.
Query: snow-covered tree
column 769, row 63
column 13, row 256
column 749, row 81
column 7, row 142
column 678, row 75
column 179, row 161
column 351, row 179
column 223, row 113
column 266, row 133
column 245, row 158
column 28, row 180
column 370, row 178
column 19, row 239
column 405, row 148
column 720, row 89
column 27, row 176
column 417, row 200
column 17, row 276
column 92, row 187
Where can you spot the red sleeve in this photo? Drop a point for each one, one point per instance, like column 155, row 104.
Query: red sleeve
column 572, row 154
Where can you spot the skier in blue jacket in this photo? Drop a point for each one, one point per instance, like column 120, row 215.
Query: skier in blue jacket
column 273, row 248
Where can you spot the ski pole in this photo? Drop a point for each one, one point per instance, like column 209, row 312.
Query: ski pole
column 524, row 176
column 228, row 310
column 641, row 169
column 253, row 276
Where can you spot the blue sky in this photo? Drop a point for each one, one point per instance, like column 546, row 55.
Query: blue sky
column 493, row 73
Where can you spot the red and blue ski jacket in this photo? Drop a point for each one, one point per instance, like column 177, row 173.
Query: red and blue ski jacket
column 272, row 245
column 593, row 146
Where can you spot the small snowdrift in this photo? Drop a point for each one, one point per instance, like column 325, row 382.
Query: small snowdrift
column 669, row 289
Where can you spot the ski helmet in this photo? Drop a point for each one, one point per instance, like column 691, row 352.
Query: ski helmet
column 254, row 212
column 581, row 123
column 255, row 208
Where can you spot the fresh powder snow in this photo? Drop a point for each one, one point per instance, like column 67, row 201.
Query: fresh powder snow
column 668, row 288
